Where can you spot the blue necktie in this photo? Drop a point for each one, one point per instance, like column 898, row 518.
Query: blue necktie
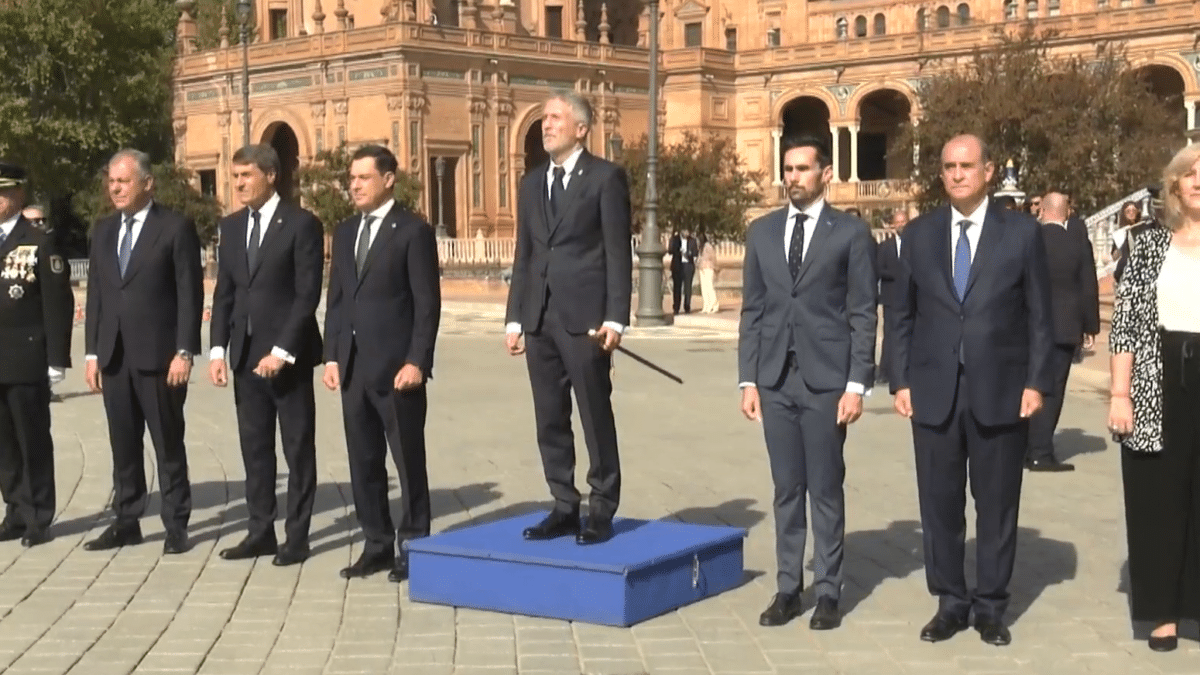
column 126, row 246
column 962, row 260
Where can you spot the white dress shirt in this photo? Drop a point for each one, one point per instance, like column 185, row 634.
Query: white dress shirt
column 973, row 230
column 568, row 166
column 378, row 215
column 265, row 214
column 139, row 219
column 812, row 217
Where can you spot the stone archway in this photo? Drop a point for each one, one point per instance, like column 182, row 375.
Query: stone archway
column 882, row 115
column 535, row 153
column 282, row 138
column 1168, row 85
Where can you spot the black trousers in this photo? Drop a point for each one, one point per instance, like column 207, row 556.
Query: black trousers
column 993, row 459
column 289, row 398
column 375, row 420
column 1162, row 496
column 560, row 363
column 1045, row 422
column 134, row 402
column 26, row 455
column 884, row 371
column 681, row 285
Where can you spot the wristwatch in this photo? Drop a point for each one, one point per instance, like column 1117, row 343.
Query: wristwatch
column 184, row 354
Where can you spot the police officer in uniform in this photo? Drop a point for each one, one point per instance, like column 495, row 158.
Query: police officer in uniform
column 35, row 339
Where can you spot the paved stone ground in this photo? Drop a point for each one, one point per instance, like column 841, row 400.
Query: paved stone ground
column 687, row 454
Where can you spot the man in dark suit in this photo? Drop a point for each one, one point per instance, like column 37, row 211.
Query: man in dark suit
column 264, row 328
column 35, row 347
column 381, row 322
column 145, row 296
column 806, row 353
column 1075, row 302
column 684, row 251
column 972, row 334
column 572, row 274
column 887, row 268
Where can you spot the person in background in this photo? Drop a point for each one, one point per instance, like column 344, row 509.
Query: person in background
column 683, row 251
column 1154, row 398
column 887, row 268
column 707, row 264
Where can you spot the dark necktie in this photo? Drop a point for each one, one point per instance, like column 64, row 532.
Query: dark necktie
column 364, row 244
column 126, row 246
column 796, row 246
column 557, row 190
column 962, row 260
column 3, row 237
column 252, row 245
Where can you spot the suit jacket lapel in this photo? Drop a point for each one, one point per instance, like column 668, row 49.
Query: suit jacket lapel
column 988, row 247
column 271, row 235
column 387, row 227
column 772, row 260
column 574, row 187
column 146, row 239
column 941, row 251
column 820, row 235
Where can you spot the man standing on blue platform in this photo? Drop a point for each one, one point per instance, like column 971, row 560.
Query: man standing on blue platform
column 572, row 274
column 806, row 351
column 972, row 335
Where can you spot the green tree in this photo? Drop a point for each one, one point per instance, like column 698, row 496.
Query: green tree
column 703, row 186
column 1087, row 125
column 83, row 79
column 173, row 188
column 325, row 187
column 208, row 24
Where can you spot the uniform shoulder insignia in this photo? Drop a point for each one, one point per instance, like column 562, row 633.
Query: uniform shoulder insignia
column 56, row 264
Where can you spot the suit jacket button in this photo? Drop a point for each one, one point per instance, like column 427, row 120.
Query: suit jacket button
column 793, row 294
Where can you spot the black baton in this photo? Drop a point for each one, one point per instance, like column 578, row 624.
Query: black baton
column 642, row 360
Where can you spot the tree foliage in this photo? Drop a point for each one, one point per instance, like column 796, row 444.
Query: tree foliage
column 702, row 186
column 325, row 187
column 1086, row 125
column 208, row 24
column 83, row 79
column 174, row 188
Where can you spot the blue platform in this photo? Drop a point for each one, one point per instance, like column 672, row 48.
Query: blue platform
column 646, row 569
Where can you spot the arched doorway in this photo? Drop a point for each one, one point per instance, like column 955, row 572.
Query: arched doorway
column 882, row 114
column 1167, row 84
column 806, row 116
column 535, row 153
column 281, row 137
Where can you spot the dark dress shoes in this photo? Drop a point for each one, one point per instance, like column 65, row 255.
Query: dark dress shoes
column 251, row 548
column 290, row 554
column 1165, row 643
column 783, row 608
column 826, row 616
column 943, row 627
column 175, row 543
column 1051, row 465
column 11, row 531
column 597, row 531
column 116, row 536
column 993, row 632
column 34, row 536
column 399, row 569
column 557, row 524
column 369, row 563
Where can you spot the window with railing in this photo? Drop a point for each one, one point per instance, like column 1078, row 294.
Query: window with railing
column 554, row 22
column 964, row 14
column 279, row 23
column 943, row 17
column 731, row 39
column 880, row 24
column 860, row 26
column 691, row 34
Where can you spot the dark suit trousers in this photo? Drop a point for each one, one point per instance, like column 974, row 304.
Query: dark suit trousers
column 376, row 419
column 26, row 454
column 993, row 458
column 681, row 285
column 289, row 398
column 558, row 363
column 885, row 351
column 804, row 446
column 136, row 401
column 1043, row 424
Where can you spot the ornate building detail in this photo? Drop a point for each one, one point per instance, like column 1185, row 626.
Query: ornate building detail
column 318, row 17
column 477, row 107
column 580, row 22
column 318, row 112
column 395, row 102
column 341, row 15
column 605, row 28
column 416, row 102
column 223, row 31
column 504, row 108
column 341, row 107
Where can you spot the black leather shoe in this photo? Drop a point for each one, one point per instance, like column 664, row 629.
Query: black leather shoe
column 596, row 531
column 116, row 536
column 399, row 569
column 826, row 615
column 557, row 524
column 250, row 548
column 34, row 536
column 993, row 632
column 943, row 627
column 368, row 564
column 175, row 543
column 1165, row 643
column 11, row 531
column 783, row 608
column 290, row 554
column 1051, row 465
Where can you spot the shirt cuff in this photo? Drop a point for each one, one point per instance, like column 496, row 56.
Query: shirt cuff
column 857, row 388
column 216, row 354
column 90, row 357
column 513, row 327
column 743, row 385
column 55, row 375
column 614, row 325
column 279, row 353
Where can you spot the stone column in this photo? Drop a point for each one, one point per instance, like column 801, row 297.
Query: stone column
column 1190, row 106
column 837, row 152
column 853, row 153
column 776, row 177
